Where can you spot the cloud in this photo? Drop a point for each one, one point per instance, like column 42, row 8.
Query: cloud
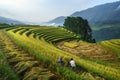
column 44, row 10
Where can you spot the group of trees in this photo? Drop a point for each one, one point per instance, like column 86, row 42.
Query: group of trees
column 79, row 26
column 5, row 25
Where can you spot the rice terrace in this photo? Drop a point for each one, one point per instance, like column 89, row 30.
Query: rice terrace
column 59, row 39
column 31, row 53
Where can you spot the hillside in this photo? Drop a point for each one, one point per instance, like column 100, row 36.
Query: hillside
column 107, row 33
column 9, row 21
column 39, row 61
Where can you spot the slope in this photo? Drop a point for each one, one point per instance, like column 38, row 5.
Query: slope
column 47, row 53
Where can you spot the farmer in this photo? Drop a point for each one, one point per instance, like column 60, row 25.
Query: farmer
column 72, row 63
column 60, row 61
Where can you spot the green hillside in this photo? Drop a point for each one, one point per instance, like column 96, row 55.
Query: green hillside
column 106, row 32
column 32, row 52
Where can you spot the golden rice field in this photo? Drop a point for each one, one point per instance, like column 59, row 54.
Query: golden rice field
column 32, row 53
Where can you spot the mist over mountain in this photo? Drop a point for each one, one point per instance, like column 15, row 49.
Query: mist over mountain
column 57, row 21
column 9, row 21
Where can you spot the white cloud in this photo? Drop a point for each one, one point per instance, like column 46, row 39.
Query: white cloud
column 43, row 10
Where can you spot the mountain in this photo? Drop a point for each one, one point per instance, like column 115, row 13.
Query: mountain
column 104, row 20
column 9, row 21
column 56, row 21
column 102, row 14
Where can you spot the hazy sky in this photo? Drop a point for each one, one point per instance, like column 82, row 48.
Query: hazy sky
column 44, row 10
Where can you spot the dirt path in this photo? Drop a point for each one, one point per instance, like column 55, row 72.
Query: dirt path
column 25, row 65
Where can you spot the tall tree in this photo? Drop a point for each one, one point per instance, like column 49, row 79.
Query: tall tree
column 79, row 26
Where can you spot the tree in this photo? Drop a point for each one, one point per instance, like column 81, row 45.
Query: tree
column 79, row 26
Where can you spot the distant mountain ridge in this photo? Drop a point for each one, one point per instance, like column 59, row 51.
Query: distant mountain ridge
column 56, row 21
column 102, row 14
column 9, row 21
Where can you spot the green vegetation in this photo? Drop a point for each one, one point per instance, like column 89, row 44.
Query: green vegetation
column 54, row 34
column 37, row 45
column 106, row 32
column 4, row 25
column 105, row 26
column 79, row 26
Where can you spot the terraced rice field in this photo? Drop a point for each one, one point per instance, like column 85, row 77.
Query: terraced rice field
column 32, row 54
column 6, row 72
column 25, row 65
column 87, row 50
column 113, row 45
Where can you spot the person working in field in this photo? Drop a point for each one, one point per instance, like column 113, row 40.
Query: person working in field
column 72, row 63
column 60, row 61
